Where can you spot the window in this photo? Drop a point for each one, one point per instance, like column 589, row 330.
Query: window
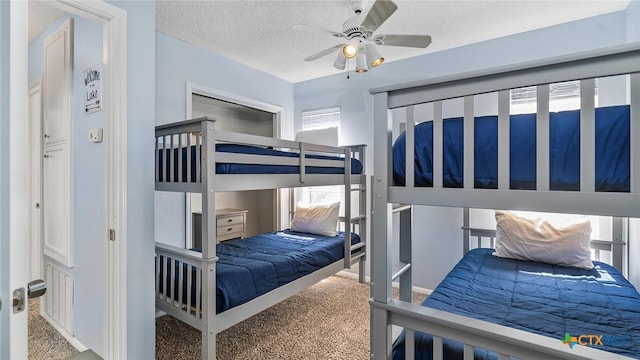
column 314, row 120
column 562, row 96
column 321, row 119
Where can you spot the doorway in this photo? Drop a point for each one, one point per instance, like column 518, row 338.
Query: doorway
column 15, row 212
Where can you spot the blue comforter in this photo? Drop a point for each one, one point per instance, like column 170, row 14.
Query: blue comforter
column 612, row 151
column 250, row 267
column 232, row 168
column 540, row 298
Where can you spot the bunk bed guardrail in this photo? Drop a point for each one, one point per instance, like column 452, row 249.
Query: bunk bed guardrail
column 586, row 67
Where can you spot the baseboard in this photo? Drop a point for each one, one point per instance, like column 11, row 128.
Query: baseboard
column 160, row 313
column 69, row 337
column 350, row 275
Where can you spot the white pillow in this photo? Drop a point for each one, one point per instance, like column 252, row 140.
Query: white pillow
column 327, row 136
column 321, row 219
column 538, row 240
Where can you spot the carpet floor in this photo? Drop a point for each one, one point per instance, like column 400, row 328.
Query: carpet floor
column 329, row 320
column 44, row 341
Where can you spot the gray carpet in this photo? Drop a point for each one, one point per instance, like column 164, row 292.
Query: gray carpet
column 329, row 320
column 44, row 341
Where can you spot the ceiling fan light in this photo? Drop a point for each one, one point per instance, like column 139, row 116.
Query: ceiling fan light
column 340, row 62
column 349, row 51
column 361, row 63
column 374, row 55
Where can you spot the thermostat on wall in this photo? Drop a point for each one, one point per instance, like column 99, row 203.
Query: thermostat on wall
column 95, row 135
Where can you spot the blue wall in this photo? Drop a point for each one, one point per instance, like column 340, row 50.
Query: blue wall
column 357, row 109
column 141, row 116
column 177, row 63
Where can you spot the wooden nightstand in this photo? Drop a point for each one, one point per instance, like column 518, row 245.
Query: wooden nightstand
column 230, row 224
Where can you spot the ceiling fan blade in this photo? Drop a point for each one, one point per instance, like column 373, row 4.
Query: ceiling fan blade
column 379, row 13
column 323, row 52
column 417, row 41
column 318, row 29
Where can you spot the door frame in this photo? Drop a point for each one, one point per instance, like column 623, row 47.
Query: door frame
column 196, row 89
column 114, row 21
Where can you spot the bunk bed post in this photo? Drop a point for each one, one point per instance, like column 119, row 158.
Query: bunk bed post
column 209, row 257
column 347, row 208
column 362, row 212
column 634, row 132
column 381, row 230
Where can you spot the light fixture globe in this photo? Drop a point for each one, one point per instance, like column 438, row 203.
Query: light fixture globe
column 349, row 51
column 340, row 62
column 374, row 56
column 361, row 63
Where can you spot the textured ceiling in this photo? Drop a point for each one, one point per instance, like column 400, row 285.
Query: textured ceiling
column 41, row 16
column 259, row 33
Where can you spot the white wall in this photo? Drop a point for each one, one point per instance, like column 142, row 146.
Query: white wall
column 357, row 109
column 177, row 63
column 87, row 178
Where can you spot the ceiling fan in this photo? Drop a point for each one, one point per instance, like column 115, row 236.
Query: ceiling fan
column 361, row 43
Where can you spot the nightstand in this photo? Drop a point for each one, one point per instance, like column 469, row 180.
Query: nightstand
column 230, row 224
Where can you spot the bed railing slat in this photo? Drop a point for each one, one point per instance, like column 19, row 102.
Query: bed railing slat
column 468, row 156
column 180, row 159
column 157, row 157
column 198, row 158
column 172, row 177
column 438, row 132
column 410, row 123
column 587, row 135
column 410, row 344
column 503, row 139
column 189, row 286
column 189, row 164
column 158, row 277
column 468, row 352
column 437, row 348
column 172, row 281
column 634, row 132
column 165, row 159
column 542, row 138
column 181, row 283
column 198, row 292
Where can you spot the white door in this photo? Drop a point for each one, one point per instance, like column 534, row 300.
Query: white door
column 35, row 178
column 14, row 184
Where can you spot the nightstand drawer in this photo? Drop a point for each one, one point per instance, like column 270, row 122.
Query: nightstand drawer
column 229, row 220
column 223, row 230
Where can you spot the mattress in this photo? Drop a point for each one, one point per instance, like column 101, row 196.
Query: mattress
column 540, row 298
column 250, row 267
column 611, row 154
column 231, row 168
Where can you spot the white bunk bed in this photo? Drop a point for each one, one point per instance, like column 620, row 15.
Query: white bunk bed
column 178, row 146
column 506, row 341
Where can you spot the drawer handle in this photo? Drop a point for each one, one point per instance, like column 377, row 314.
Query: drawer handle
column 229, row 220
column 229, row 229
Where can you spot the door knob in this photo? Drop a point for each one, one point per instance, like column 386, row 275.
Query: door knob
column 36, row 288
